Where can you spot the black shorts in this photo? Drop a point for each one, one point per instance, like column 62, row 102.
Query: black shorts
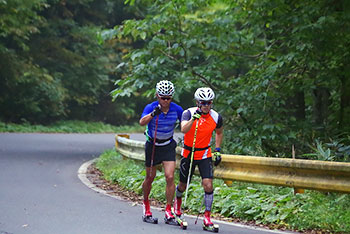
column 161, row 153
column 205, row 167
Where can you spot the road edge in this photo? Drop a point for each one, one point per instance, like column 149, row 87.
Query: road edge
column 83, row 178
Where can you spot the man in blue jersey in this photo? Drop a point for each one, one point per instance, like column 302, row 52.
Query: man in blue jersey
column 160, row 117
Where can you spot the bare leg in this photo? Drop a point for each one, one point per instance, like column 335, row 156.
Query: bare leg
column 182, row 186
column 147, row 183
column 169, row 169
column 207, row 185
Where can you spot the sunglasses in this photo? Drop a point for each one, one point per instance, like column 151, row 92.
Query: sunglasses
column 165, row 98
column 205, row 103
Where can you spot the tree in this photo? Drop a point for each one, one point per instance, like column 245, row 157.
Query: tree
column 277, row 67
column 26, row 88
column 52, row 64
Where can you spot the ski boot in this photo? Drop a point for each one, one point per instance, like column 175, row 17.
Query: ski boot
column 169, row 217
column 208, row 224
column 177, row 206
column 178, row 214
column 147, row 214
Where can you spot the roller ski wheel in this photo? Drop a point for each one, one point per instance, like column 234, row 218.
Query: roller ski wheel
column 211, row 228
column 181, row 222
column 171, row 221
column 149, row 219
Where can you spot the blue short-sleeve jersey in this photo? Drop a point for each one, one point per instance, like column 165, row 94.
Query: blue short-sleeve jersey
column 166, row 122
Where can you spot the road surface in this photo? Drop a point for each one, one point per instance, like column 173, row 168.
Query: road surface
column 40, row 191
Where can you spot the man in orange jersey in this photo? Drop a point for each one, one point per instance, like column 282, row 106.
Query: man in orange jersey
column 208, row 122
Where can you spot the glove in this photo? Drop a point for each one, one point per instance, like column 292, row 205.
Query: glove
column 217, row 156
column 197, row 114
column 156, row 111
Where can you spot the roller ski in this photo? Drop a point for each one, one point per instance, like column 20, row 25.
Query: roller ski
column 147, row 214
column 178, row 214
column 208, row 224
column 149, row 219
column 169, row 217
column 181, row 222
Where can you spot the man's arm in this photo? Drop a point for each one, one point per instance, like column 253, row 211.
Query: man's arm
column 145, row 119
column 186, row 121
column 186, row 125
column 148, row 117
column 219, row 135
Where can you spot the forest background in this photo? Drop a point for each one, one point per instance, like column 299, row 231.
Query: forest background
column 280, row 68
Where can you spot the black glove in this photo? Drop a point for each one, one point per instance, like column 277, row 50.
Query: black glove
column 156, row 111
column 197, row 114
column 217, row 156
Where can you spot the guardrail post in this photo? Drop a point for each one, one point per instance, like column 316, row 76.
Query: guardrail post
column 298, row 190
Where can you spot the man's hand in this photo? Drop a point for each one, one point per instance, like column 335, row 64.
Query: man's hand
column 156, row 111
column 217, row 156
column 197, row 114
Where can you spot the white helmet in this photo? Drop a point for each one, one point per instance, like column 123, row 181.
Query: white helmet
column 204, row 94
column 165, row 88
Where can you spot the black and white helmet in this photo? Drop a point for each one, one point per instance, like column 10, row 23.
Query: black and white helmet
column 165, row 88
column 204, row 94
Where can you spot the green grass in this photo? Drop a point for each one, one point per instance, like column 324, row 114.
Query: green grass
column 270, row 205
column 70, row 126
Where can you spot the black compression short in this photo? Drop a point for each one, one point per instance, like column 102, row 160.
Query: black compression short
column 205, row 167
column 161, row 153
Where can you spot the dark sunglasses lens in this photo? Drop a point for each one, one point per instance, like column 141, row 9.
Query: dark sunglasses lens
column 165, row 98
column 206, row 103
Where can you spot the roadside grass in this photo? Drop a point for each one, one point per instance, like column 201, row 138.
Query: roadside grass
column 70, row 126
column 274, row 206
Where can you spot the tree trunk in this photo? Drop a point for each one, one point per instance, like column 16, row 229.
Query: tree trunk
column 300, row 105
column 344, row 119
column 321, row 106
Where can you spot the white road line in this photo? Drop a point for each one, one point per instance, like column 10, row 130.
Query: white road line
column 83, row 177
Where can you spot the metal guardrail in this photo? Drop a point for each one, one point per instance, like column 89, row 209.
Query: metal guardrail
column 295, row 173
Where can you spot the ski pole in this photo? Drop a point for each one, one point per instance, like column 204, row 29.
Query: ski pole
column 154, row 144
column 192, row 154
column 199, row 212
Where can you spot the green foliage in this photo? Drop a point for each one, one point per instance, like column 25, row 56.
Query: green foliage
column 121, row 171
column 52, row 65
column 19, row 20
column 280, row 69
column 26, row 88
column 335, row 150
column 277, row 67
column 71, row 126
column 269, row 205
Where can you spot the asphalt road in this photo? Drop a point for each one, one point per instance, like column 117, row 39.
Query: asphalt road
column 40, row 191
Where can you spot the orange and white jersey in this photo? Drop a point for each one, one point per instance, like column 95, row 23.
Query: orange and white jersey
column 206, row 125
